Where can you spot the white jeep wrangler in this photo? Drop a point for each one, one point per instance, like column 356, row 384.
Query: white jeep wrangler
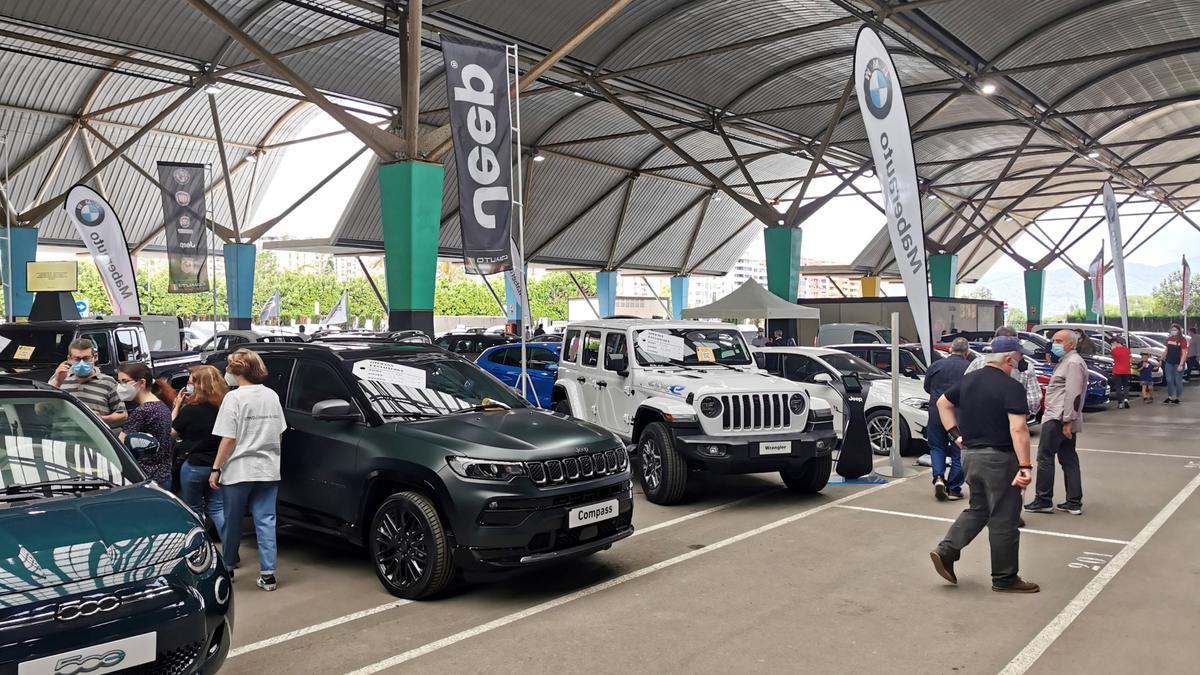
column 690, row 396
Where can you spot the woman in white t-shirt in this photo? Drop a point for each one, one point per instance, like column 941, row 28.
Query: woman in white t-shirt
column 246, row 470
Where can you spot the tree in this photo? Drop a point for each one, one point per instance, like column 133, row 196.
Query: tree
column 1167, row 296
column 1016, row 318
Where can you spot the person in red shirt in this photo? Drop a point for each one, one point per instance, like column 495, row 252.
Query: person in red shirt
column 1122, row 369
column 1174, row 363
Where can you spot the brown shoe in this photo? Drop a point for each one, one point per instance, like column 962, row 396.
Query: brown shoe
column 1018, row 586
column 944, row 567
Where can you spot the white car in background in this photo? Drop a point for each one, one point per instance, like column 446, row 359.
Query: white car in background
column 819, row 370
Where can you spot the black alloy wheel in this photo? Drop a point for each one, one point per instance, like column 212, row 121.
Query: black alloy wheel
column 409, row 548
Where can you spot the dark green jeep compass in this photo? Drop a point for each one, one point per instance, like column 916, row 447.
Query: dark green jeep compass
column 438, row 467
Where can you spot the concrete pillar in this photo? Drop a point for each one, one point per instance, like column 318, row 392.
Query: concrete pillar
column 1035, row 294
column 679, row 296
column 410, row 196
column 783, row 261
column 239, row 284
column 943, row 271
column 1088, row 298
column 23, row 250
column 870, row 287
column 606, row 293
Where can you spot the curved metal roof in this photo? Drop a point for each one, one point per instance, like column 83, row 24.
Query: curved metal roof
column 767, row 74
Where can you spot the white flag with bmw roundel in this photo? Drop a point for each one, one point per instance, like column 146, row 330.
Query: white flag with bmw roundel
column 100, row 229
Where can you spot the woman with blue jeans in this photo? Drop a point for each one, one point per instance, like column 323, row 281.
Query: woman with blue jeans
column 246, row 470
column 1173, row 363
column 192, row 420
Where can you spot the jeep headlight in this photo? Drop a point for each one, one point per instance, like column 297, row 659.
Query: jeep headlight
column 710, row 406
column 486, row 469
column 200, row 555
column 796, row 404
column 916, row 402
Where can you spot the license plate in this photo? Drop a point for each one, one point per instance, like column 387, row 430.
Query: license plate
column 106, row 658
column 775, row 448
column 593, row 513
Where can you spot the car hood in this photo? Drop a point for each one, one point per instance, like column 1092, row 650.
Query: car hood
column 681, row 383
column 909, row 388
column 517, row 435
column 91, row 538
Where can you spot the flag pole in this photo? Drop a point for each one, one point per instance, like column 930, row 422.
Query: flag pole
column 515, row 178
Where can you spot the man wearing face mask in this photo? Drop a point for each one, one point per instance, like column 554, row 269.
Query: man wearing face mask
column 1061, row 421
column 986, row 415
column 1022, row 373
column 79, row 377
column 1174, row 365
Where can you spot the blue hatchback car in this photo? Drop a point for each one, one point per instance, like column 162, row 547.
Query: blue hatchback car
column 541, row 358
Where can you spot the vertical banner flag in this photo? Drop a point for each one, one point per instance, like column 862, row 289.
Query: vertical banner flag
column 481, row 126
column 101, row 231
column 516, row 277
column 886, row 120
column 1096, row 272
column 337, row 315
column 270, row 309
column 1114, row 237
column 1187, row 285
column 184, row 216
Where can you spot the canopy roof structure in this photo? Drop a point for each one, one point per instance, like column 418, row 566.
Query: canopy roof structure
column 752, row 301
column 671, row 130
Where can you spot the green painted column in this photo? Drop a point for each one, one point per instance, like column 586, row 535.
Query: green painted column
column 783, row 261
column 1088, row 298
column 1035, row 295
column 943, row 271
column 410, row 196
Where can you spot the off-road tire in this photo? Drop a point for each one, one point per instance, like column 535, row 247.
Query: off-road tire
column 407, row 510
column 672, row 467
column 811, row 478
column 563, row 406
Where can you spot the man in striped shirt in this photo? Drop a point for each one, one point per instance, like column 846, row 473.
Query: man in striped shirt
column 80, row 377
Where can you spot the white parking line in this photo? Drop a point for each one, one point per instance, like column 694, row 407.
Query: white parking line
column 702, row 512
column 301, row 632
column 1135, row 452
column 1042, row 641
column 616, row 581
column 1025, row 530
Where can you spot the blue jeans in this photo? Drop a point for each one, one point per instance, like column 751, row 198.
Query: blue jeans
column 1174, row 380
column 942, row 448
column 196, row 493
column 260, row 496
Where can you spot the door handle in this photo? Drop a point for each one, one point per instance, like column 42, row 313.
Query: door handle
column 602, row 384
column 581, row 380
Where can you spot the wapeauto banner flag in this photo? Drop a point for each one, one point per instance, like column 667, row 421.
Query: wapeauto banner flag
column 1118, row 256
column 100, row 229
column 886, row 122
column 480, row 124
column 1096, row 272
column 516, row 277
column 184, row 215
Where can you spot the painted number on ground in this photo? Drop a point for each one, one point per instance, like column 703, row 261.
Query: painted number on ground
column 1090, row 561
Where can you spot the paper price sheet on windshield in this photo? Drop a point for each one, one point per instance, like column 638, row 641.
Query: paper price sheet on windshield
column 663, row 345
column 395, row 389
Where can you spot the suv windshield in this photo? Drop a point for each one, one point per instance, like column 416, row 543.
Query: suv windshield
column 32, row 345
column 690, row 346
column 47, row 440
column 886, row 334
column 849, row 363
column 430, row 384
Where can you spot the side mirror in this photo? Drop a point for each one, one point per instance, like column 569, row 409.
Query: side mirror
column 616, row 362
column 552, row 366
column 141, row 444
column 823, row 378
column 910, row 372
column 334, row 410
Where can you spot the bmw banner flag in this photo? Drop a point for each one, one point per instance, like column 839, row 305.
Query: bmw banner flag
column 100, row 229
column 184, row 215
column 270, row 309
column 886, row 120
column 1118, row 256
column 480, row 124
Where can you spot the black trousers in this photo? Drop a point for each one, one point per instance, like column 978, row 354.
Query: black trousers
column 1054, row 444
column 994, row 504
column 1121, row 387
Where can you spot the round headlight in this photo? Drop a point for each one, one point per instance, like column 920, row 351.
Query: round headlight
column 796, row 403
column 200, row 555
column 710, row 406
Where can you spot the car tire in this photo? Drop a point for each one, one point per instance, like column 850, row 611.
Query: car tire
column 664, row 471
column 880, row 419
column 563, row 406
column 405, row 530
column 811, row 478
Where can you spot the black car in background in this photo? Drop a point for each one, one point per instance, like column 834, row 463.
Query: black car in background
column 471, row 345
column 437, row 467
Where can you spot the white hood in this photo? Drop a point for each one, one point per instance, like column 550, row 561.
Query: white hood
column 699, row 381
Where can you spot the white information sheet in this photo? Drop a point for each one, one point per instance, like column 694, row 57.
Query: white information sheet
column 392, row 373
column 663, row 345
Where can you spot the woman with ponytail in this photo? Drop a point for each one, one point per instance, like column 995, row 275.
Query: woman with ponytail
column 136, row 386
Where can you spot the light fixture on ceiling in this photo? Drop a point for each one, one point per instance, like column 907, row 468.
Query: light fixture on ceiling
column 1094, row 154
column 578, row 93
column 779, row 222
column 1151, row 192
column 538, row 156
column 987, row 88
column 1008, row 219
column 870, row 173
column 212, row 89
column 930, row 196
column 252, row 158
column 716, row 197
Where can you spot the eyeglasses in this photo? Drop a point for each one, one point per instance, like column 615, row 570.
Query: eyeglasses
column 87, row 359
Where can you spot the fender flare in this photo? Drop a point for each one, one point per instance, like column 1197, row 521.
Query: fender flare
column 570, row 390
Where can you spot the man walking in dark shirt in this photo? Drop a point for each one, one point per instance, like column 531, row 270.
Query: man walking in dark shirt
column 942, row 375
column 986, row 414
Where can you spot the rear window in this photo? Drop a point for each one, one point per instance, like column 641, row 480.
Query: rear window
column 571, row 346
column 591, row 348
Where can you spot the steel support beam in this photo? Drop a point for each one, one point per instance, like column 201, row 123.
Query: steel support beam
column 216, row 120
column 374, row 287
column 583, row 293
column 612, row 247
column 412, row 78
column 579, row 216
column 55, row 165
column 691, row 247
column 789, row 219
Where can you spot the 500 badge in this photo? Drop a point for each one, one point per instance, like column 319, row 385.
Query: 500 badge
column 88, row 663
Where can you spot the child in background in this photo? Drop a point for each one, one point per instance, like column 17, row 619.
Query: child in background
column 1146, row 375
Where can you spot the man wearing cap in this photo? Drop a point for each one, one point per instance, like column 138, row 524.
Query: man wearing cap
column 986, row 414
column 939, row 378
column 1061, row 421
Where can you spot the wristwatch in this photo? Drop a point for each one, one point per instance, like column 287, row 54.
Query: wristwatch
column 216, row 469
column 1025, row 468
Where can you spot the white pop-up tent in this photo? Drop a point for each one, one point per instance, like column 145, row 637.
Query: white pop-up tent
column 752, row 301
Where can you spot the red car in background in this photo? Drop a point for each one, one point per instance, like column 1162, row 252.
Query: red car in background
column 1043, row 380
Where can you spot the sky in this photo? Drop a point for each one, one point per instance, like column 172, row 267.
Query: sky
column 837, row 233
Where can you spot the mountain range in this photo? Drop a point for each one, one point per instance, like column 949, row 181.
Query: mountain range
column 1064, row 288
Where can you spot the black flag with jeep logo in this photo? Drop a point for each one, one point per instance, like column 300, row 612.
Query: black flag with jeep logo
column 185, row 218
column 480, row 124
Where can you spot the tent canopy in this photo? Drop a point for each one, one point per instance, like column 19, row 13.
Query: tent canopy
column 752, row 301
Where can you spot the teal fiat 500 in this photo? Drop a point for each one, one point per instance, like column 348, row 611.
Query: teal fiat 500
column 100, row 569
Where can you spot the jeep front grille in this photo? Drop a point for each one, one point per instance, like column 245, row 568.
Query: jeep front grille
column 755, row 412
column 578, row 468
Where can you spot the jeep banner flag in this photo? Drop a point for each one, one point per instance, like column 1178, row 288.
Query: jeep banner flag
column 100, row 229
column 1096, row 273
column 886, row 120
column 480, row 124
column 1118, row 256
column 184, row 216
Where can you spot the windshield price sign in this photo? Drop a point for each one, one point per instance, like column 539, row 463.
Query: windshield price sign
column 705, row 354
column 391, row 373
column 663, row 345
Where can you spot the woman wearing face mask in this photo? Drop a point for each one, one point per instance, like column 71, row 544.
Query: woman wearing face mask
column 192, row 419
column 135, row 384
column 1173, row 363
